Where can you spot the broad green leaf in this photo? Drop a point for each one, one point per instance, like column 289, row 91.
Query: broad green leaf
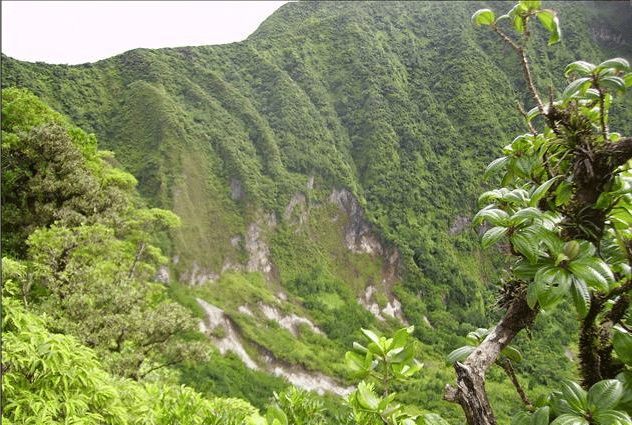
column 524, row 243
column 575, row 396
column 570, row 419
column 359, row 347
column 581, row 297
column 541, row 416
column 460, row 353
column 495, row 216
column 518, row 24
column 530, row 5
column 354, row 361
column 622, row 343
column 546, row 17
column 512, row 354
column 612, row 417
column 495, row 165
column 604, row 395
column 616, row 63
column 613, row 83
column 579, row 67
column 492, row 236
column 589, row 275
column 532, row 293
column 525, row 215
column 366, row 397
column 563, row 193
column 553, row 292
column 400, row 338
column 483, row 17
column 517, row 196
column 541, row 191
column 274, row 414
column 627, row 78
column 579, row 85
column 556, row 33
column 371, row 335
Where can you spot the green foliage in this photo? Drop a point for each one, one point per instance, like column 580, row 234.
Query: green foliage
column 350, row 94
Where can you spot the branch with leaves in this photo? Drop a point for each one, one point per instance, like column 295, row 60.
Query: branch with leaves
column 564, row 209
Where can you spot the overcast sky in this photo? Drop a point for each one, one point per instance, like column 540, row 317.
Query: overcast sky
column 74, row 32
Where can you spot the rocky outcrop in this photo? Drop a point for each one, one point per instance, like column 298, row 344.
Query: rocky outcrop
column 291, row 322
column 226, row 337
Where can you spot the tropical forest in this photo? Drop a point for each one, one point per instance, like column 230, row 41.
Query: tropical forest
column 365, row 213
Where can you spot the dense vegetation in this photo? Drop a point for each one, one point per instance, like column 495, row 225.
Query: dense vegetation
column 403, row 104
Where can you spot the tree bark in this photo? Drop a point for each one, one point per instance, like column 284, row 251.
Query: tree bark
column 470, row 390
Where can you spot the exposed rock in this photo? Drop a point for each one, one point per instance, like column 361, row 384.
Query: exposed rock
column 259, row 252
column 290, row 323
column 244, row 310
column 162, row 275
column 198, row 276
column 358, row 236
column 316, row 382
column 215, row 317
column 393, row 307
column 230, row 341
column 459, row 224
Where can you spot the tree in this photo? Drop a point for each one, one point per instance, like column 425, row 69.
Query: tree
column 74, row 221
column 564, row 209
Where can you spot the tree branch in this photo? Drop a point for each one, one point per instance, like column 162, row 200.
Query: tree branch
column 470, row 391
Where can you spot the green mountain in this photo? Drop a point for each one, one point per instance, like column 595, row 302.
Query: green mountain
column 325, row 171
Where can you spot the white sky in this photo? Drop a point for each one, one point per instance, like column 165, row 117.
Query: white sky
column 75, row 32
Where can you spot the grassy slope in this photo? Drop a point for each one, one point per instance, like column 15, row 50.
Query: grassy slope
column 402, row 103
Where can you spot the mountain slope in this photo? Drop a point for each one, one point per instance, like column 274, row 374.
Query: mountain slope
column 338, row 149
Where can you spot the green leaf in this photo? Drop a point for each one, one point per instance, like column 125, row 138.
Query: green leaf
column 604, row 395
column 541, row 416
column 581, row 297
column 612, row 417
column 492, row 236
column 495, row 165
column 575, row 396
column 274, row 414
column 401, row 338
column 546, row 17
column 512, row 354
column 579, row 85
column 371, row 335
column 570, row 419
column 524, row 243
column 622, row 343
column 354, row 361
column 556, row 33
column 579, row 67
column 530, row 5
column 366, row 397
column 495, row 216
column 483, row 17
column 592, row 277
column 532, row 293
column 533, row 112
column 541, row 191
column 460, row 353
column 613, row 83
column 619, row 64
column 434, row 419
column 563, row 193
column 627, row 78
